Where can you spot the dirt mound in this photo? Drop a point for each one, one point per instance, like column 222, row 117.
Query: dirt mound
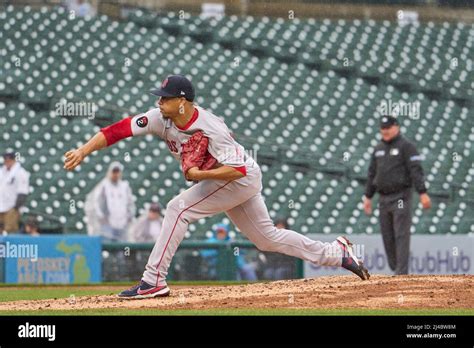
column 379, row 292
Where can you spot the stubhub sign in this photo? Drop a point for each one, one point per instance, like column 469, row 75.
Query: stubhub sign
column 439, row 254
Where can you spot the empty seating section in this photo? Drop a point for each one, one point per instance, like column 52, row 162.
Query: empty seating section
column 303, row 95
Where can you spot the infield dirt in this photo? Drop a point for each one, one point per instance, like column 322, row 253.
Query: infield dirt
column 380, row 292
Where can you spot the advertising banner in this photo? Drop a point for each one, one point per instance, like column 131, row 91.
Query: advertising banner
column 429, row 254
column 51, row 259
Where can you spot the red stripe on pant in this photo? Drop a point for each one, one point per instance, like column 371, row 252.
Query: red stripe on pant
column 176, row 222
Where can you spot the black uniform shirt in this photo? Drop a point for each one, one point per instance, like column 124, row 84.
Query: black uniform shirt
column 394, row 166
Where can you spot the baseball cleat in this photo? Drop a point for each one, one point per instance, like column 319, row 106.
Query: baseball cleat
column 349, row 261
column 144, row 290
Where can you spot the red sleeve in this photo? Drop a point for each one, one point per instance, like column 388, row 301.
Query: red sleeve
column 118, row 131
column 242, row 169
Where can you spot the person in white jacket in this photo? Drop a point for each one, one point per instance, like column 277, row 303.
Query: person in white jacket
column 14, row 188
column 110, row 207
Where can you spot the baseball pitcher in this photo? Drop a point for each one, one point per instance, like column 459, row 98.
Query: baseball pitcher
column 226, row 180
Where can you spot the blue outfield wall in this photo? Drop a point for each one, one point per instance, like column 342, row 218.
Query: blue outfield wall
column 49, row 259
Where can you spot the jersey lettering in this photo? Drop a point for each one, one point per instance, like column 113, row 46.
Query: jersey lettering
column 172, row 146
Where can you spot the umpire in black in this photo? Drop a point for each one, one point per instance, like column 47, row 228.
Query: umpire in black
column 394, row 168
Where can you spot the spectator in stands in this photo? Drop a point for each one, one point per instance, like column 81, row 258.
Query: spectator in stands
column 14, row 188
column 148, row 226
column 221, row 235
column 110, row 207
column 31, row 227
column 394, row 168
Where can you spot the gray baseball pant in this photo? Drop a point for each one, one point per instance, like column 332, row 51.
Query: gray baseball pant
column 242, row 202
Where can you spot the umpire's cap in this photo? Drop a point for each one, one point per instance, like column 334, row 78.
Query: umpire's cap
column 388, row 121
column 175, row 86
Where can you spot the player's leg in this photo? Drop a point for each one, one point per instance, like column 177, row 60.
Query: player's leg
column 204, row 199
column 401, row 226
column 253, row 220
column 196, row 202
column 388, row 235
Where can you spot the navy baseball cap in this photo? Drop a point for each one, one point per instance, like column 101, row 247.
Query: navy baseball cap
column 175, row 86
column 9, row 155
column 388, row 121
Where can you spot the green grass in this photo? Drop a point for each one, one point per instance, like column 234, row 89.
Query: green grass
column 247, row 312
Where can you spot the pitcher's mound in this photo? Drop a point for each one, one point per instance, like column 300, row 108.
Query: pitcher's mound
column 380, row 292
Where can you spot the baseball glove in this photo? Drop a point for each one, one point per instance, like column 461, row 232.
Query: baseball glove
column 194, row 153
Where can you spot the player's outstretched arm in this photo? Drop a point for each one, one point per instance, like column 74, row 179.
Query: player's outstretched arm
column 75, row 157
